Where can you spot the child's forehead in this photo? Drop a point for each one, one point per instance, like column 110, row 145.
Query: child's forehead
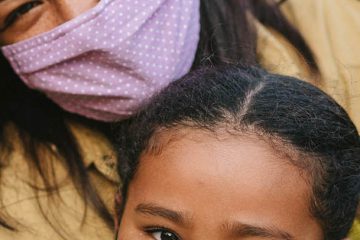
column 169, row 138
column 232, row 176
column 197, row 158
column 197, row 148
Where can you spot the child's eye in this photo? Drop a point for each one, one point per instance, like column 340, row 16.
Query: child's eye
column 18, row 12
column 163, row 234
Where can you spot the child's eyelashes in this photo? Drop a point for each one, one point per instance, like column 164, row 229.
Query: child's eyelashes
column 162, row 233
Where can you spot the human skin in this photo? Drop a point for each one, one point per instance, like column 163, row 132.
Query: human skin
column 230, row 187
column 40, row 16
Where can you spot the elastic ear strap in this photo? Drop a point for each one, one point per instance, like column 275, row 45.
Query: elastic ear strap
column 118, row 210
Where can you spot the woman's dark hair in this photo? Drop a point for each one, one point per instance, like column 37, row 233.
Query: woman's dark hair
column 227, row 35
column 295, row 117
column 41, row 124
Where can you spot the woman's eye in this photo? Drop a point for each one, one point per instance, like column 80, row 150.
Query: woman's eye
column 18, row 12
column 163, row 235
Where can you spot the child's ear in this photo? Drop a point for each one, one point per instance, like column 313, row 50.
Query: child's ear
column 117, row 202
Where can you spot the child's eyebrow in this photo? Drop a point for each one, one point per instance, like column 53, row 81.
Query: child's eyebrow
column 236, row 228
column 177, row 217
column 246, row 230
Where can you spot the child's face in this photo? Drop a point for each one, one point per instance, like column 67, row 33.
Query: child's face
column 203, row 188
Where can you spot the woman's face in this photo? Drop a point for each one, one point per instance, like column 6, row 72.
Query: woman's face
column 23, row 19
column 205, row 188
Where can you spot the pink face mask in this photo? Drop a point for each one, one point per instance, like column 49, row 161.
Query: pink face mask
column 106, row 62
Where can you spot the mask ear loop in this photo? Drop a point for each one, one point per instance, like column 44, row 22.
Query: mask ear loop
column 117, row 203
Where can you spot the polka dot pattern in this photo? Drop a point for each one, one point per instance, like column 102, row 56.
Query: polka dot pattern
column 106, row 62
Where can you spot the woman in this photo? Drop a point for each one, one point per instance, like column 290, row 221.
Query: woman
column 58, row 166
column 39, row 139
column 239, row 153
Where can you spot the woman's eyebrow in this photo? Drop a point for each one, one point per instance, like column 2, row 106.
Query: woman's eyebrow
column 246, row 230
column 177, row 217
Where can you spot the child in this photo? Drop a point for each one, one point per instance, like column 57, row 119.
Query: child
column 239, row 153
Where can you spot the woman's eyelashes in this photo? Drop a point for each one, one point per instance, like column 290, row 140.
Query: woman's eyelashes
column 161, row 233
column 18, row 12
